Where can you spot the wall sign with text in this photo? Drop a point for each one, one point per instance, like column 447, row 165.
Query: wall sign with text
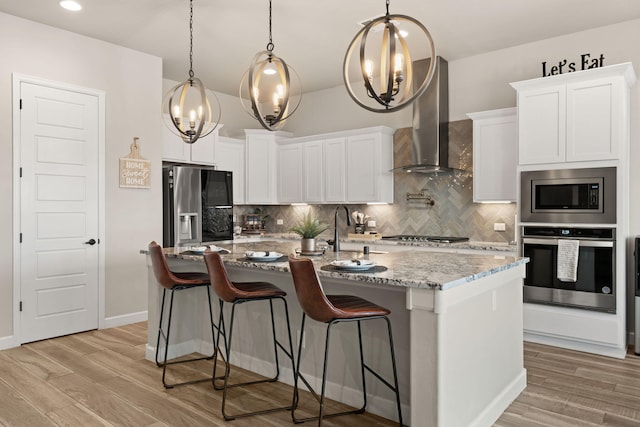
column 585, row 62
column 134, row 170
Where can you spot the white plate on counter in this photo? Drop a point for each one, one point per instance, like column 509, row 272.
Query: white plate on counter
column 353, row 264
column 200, row 250
column 263, row 255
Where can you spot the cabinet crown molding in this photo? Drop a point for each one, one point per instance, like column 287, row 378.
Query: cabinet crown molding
column 624, row 69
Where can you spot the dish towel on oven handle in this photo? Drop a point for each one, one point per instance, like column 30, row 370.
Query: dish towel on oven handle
column 568, row 260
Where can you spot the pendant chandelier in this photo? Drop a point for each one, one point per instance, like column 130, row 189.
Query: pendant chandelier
column 379, row 55
column 270, row 90
column 186, row 109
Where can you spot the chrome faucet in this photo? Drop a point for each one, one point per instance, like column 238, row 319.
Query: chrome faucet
column 336, row 237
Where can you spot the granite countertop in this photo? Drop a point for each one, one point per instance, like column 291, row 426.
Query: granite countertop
column 410, row 268
column 474, row 245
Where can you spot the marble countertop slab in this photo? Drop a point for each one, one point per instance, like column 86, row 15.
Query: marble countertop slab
column 474, row 245
column 410, row 268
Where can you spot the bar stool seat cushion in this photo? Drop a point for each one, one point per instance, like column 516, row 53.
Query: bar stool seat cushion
column 257, row 290
column 350, row 307
column 200, row 278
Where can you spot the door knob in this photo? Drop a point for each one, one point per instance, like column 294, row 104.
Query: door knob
column 90, row 242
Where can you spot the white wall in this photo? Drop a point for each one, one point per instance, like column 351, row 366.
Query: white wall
column 333, row 110
column 132, row 82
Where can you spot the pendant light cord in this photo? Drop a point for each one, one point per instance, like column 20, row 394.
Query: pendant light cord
column 191, row 74
column 270, row 45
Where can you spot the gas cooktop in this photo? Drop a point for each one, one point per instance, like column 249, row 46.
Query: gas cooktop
column 418, row 238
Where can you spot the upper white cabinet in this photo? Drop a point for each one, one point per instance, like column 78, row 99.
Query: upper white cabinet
column 494, row 155
column 335, row 166
column 230, row 157
column 261, row 162
column 313, row 171
column 201, row 152
column 542, row 125
column 580, row 116
column 368, row 168
column 290, row 170
column 595, row 117
column 341, row 167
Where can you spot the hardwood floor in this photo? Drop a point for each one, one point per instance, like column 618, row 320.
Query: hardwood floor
column 569, row 388
column 100, row 378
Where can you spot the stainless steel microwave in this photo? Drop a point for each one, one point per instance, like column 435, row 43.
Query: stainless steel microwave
column 568, row 196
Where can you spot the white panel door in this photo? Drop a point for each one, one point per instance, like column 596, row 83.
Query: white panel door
column 59, row 212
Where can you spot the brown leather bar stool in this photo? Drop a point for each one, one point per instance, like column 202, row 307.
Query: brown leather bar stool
column 237, row 293
column 333, row 309
column 173, row 281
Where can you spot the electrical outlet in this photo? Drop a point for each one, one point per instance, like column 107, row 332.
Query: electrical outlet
column 499, row 226
column 279, row 222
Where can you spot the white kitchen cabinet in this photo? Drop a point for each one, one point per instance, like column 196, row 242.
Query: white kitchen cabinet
column 290, row 179
column 495, row 143
column 230, row 157
column 369, row 160
column 313, row 171
column 574, row 117
column 341, row 167
column 201, row 152
column 542, row 125
column 261, row 162
column 335, row 190
column 594, row 119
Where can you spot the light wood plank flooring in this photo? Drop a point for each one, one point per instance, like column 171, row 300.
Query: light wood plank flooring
column 101, row 378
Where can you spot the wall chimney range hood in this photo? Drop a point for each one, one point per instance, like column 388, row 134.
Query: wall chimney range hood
column 430, row 135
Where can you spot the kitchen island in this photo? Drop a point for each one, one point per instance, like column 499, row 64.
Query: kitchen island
column 456, row 319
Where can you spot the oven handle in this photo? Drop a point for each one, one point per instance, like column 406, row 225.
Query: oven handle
column 583, row 243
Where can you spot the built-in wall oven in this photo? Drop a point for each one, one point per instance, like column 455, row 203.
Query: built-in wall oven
column 594, row 287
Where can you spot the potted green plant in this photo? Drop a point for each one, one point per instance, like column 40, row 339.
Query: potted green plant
column 308, row 229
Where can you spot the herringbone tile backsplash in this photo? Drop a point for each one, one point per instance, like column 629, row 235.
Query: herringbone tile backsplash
column 453, row 213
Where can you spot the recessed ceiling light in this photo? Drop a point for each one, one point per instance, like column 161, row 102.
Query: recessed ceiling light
column 71, row 5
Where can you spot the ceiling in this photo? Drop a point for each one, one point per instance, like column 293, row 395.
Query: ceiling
column 311, row 36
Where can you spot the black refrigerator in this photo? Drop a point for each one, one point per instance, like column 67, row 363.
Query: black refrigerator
column 197, row 205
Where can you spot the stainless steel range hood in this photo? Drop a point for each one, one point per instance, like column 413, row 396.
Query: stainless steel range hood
column 430, row 142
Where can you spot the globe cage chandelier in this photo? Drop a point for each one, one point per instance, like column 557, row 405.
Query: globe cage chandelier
column 271, row 78
column 189, row 98
column 394, row 69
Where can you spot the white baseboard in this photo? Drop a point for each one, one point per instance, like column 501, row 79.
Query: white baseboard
column 603, row 350
column 7, row 342
column 125, row 319
column 502, row 401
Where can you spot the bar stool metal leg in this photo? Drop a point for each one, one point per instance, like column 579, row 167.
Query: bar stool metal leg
column 363, row 366
column 161, row 334
column 227, row 336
